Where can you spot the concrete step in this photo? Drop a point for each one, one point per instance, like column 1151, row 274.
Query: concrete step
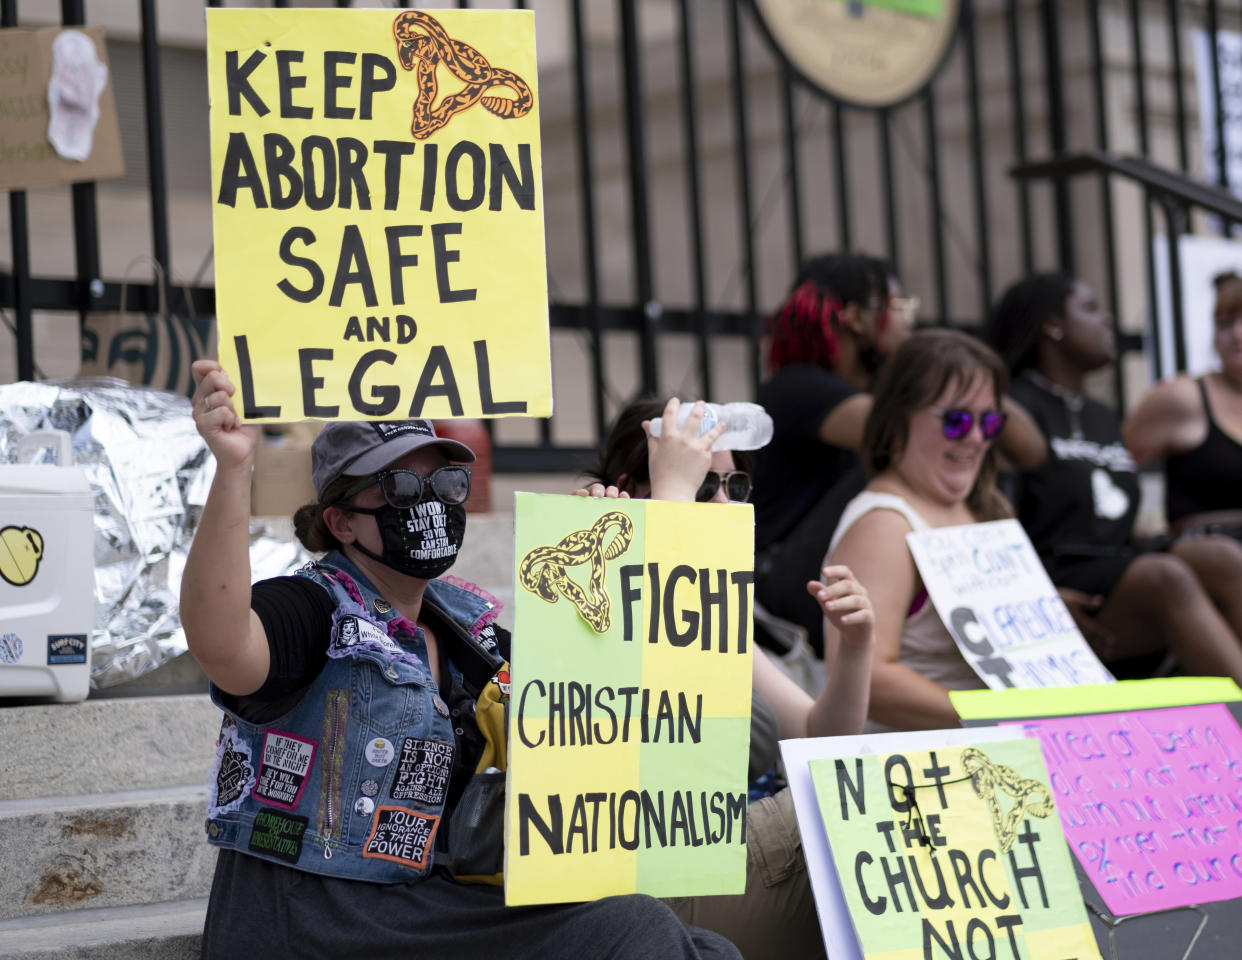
column 151, row 931
column 103, row 850
column 102, row 746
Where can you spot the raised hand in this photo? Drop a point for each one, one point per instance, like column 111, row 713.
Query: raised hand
column 679, row 458
column 846, row 605
column 230, row 441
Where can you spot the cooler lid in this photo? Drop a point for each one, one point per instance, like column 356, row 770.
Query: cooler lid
column 35, row 479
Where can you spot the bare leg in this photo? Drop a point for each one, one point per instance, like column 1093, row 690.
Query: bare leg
column 1217, row 562
column 1159, row 603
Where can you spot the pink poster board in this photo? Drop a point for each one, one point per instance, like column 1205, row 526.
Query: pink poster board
column 1151, row 802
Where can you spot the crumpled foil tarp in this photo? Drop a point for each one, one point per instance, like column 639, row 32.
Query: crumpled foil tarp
column 150, row 472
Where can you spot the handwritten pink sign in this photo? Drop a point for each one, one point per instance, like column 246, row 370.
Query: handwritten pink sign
column 1151, row 802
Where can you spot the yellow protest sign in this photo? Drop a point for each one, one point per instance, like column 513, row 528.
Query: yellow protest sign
column 378, row 213
column 629, row 724
column 951, row 852
column 1146, row 694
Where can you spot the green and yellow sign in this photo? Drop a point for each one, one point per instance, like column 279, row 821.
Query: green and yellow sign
column 629, row 724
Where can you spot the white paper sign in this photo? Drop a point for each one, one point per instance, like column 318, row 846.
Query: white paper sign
column 996, row 600
column 1201, row 259
column 840, row 939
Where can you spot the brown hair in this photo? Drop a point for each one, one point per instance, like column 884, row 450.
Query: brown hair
column 308, row 523
column 622, row 461
column 924, row 366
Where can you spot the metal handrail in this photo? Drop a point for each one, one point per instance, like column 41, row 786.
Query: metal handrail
column 1157, row 179
column 1175, row 193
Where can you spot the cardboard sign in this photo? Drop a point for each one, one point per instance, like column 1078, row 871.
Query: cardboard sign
column 995, row 598
column 955, row 852
column 629, row 724
column 834, row 915
column 78, row 109
column 378, row 213
column 1149, row 802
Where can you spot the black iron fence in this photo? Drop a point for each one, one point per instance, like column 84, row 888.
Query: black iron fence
column 688, row 169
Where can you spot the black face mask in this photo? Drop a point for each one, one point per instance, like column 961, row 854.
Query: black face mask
column 421, row 542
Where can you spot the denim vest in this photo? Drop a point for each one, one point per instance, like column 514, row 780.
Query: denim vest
column 352, row 782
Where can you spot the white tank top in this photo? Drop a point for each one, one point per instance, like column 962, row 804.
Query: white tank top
column 927, row 647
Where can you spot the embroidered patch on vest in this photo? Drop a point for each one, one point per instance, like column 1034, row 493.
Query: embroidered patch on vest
column 284, row 768
column 352, row 632
column 233, row 777
column 487, row 638
column 278, row 835
column 423, row 771
column 402, row 836
column 503, row 683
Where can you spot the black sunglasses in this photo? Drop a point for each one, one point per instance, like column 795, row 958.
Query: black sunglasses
column 957, row 422
column 404, row 489
column 736, row 484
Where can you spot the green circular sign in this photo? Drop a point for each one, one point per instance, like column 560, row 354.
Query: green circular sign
column 869, row 53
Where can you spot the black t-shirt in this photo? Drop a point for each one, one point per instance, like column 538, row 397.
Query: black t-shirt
column 1083, row 502
column 797, row 468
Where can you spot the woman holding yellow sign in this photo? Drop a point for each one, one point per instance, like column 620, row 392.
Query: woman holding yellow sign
column 775, row 917
column 359, row 769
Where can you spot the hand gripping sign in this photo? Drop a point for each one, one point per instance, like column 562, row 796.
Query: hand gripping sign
column 377, row 260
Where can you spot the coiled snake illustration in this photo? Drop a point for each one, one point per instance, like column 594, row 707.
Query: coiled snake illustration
column 542, row 571
column 986, row 776
column 422, row 45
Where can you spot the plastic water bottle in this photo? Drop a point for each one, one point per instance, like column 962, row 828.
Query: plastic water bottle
column 749, row 426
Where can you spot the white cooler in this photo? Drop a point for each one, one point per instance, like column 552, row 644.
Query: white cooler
column 47, row 573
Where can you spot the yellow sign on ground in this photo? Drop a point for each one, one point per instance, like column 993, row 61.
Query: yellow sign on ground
column 378, row 213
column 629, row 724
column 952, row 852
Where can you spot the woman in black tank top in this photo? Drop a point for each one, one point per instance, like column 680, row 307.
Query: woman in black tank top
column 1080, row 506
column 1196, row 428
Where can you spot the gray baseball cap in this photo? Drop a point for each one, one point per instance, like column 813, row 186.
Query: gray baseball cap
column 359, row 448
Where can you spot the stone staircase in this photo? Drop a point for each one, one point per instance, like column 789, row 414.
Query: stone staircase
column 102, row 803
column 101, row 828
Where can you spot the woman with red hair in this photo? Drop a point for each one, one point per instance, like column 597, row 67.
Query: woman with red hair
column 824, row 345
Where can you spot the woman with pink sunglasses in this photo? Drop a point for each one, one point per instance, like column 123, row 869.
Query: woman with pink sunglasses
column 929, row 455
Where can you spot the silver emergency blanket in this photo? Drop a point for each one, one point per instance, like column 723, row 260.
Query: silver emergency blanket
column 150, row 472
